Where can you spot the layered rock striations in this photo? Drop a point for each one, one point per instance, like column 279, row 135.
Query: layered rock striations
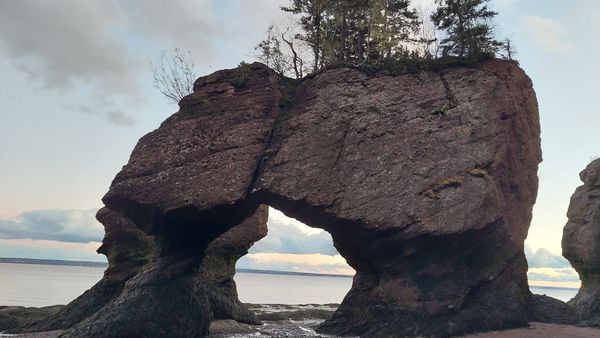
column 425, row 181
column 580, row 243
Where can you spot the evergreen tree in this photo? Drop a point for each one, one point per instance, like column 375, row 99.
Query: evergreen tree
column 270, row 52
column 467, row 28
column 393, row 24
column 312, row 19
column 358, row 31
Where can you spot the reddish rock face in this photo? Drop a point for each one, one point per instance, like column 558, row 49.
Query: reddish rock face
column 425, row 181
column 580, row 241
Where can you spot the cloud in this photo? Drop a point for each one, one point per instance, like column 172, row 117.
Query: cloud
column 44, row 249
column 187, row 24
column 120, row 118
column 553, row 274
column 543, row 258
column 548, row 33
column 314, row 263
column 100, row 105
column 61, row 43
column 78, row 226
column 287, row 236
column 547, row 267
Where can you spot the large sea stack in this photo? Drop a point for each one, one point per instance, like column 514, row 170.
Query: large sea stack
column 581, row 243
column 425, row 181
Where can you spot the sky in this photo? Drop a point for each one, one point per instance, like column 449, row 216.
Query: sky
column 76, row 94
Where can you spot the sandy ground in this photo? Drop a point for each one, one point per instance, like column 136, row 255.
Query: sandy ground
column 300, row 321
column 543, row 330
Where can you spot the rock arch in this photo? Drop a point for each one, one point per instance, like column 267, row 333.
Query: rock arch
column 425, row 181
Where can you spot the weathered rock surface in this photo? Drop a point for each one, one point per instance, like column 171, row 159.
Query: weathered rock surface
column 14, row 317
column 546, row 309
column 581, row 242
column 425, row 181
column 218, row 266
column 128, row 249
column 177, row 295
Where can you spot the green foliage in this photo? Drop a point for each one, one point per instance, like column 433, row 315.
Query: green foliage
column 355, row 31
column 242, row 74
column 312, row 15
column 466, row 24
column 383, row 35
column 270, row 52
column 440, row 110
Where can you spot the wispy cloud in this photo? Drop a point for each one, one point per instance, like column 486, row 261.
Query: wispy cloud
column 120, row 118
column 543, row 258
column 548, row 33
column 44, row 249
column 549, row 269
column 288, row 236
column 314, row 263
column 61, row 43
column 187, row 24
column 78, row 226
column 99, row 104
column 553, row 274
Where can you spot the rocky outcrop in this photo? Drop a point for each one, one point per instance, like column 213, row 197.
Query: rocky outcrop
column 15, row 317
column 128, row 249
column 218, row 266
column 581, row 243
column 546, row 309
column 425, row 181
column 177, row 295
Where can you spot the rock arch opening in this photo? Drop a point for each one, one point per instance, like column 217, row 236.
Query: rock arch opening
column 290, row 251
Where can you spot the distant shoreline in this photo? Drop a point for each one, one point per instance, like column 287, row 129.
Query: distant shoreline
column 292, row 273
column 104, row 265
column 53, row 262
column 268, row 272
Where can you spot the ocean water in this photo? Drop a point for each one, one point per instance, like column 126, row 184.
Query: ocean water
column 43, row 285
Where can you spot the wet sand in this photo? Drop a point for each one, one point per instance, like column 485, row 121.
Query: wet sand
column 301, row 320
column 543, row 330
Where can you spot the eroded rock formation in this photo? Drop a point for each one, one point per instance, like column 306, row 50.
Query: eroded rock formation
column 425, row 181
column 581, row 242
column 128, row 249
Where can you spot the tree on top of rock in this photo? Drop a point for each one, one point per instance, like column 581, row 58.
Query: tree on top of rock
column 355, row 31
column 466, row 24
column 312, row 15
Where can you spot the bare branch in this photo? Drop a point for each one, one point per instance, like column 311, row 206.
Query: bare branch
column 174, row 75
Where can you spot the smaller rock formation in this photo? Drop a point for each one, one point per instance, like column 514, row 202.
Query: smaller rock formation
column 13, row 317
column 219, row 266
column 128, row 249
column 546, row 309
column 581, row 242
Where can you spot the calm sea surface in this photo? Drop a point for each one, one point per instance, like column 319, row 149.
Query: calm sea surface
column 42, row 285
